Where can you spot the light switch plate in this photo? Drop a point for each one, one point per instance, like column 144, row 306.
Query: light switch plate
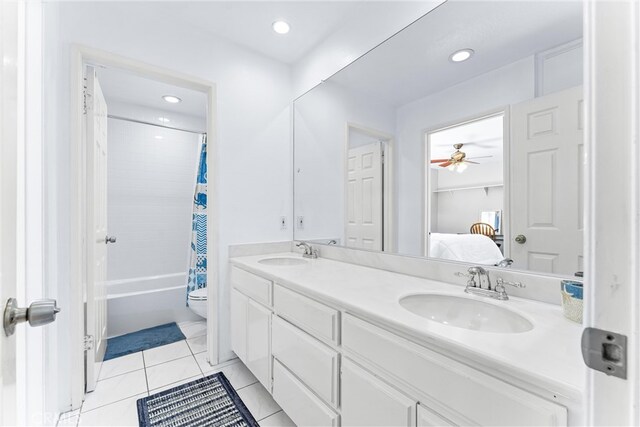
column 300, row 222
column 283, row 223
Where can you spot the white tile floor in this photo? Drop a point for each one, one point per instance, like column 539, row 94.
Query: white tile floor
column 126, row 379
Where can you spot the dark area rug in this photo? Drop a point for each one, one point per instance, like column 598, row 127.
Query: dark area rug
column 143, row 340
column 208, row 401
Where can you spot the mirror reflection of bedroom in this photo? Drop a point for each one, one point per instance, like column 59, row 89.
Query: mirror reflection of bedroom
column 465, row 197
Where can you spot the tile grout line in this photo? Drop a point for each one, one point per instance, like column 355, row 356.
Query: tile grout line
column 194, row 356
column 146, row 379
column 248, row 385
column 111, row 403
column 263, row 418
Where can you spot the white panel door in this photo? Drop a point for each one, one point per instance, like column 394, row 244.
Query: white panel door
column 546, row 183
column 367, row 401
column 96, row 294
column 8, row 200
column 364, row 226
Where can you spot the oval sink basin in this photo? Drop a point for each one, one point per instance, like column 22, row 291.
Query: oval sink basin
column 466, row 313
column 282, row 261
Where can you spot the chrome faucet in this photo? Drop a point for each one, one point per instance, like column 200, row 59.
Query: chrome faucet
column 475, row 288
column 309, row 251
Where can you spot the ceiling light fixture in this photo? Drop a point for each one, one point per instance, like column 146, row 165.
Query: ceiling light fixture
column 163, row 119
column 457, row 167
column 171, row 99
column 158, row 136
column 461, row 55
column 281, row 27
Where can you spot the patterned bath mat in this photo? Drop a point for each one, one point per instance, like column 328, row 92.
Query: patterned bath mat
column 208, row 401
column 143, row 340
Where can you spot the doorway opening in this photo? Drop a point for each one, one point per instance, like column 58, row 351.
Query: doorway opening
column 144, row 144
column 465, row 188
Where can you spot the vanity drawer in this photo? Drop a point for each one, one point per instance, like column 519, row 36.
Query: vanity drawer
column 365, row 400
column 255, row 287
column 298, row 402
column 468, row 395
column 313, row 362
column 316, row 318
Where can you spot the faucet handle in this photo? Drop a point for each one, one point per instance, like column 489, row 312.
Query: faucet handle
column 501, row 282
column 471, row 278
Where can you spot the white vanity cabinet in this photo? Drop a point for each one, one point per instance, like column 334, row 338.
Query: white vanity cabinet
column 251, row 325
column 327, row 367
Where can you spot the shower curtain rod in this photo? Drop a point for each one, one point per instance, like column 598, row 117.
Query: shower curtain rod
column 111, row 116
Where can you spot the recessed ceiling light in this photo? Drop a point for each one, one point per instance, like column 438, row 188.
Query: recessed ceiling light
column 461, row 55
column 281, row 27
column 163, row 119
column 171, row 99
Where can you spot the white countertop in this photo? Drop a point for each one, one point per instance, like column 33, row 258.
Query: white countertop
column 548, row 356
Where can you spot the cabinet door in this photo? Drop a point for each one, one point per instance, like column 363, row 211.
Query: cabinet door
column 259, row 342
column 239, row 304
column 367, row 401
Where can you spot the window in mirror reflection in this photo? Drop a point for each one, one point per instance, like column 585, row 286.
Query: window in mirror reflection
column 464, row 175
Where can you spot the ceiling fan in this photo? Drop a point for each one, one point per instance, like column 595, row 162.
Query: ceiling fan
column 458, row 158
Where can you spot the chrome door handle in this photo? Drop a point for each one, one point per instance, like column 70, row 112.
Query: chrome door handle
column 39, row 313
column 520, row 238
column 109, row 239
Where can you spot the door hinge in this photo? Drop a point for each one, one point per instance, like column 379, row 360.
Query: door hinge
column 88, row 342
column 605, row 351
column 84, row 96
column 382, row 157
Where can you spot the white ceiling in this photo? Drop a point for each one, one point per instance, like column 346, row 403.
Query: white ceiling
column 415, row 63
column 482, row 141
column 123, row 87
column 248, row 23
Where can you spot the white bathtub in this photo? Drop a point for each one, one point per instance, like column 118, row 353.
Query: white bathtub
column 144, row 302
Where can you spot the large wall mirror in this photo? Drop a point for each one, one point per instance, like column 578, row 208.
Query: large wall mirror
column 460, row 138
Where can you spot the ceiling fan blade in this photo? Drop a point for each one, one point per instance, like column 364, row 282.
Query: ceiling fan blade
column 439, row 160
column 444, row 165
column 480, row 157
column 467, row 161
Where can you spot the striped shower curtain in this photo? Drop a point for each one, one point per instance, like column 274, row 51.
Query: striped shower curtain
column 198, row 256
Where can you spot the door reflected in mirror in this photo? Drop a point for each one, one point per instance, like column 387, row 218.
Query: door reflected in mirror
column 477, row 161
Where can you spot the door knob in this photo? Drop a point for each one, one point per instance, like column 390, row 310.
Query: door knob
column 39, row 313
column 109, row 239
column 521, row 238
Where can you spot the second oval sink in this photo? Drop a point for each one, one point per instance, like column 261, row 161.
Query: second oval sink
column 282, row 261
column 466, row 313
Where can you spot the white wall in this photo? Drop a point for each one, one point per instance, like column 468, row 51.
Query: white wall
column 490, row 173
column 455, row 206
column 253, row 173
column 457, row 210
column 321, row 119
column 377, row 21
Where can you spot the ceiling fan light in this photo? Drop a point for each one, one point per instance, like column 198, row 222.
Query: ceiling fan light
column 462, row 167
